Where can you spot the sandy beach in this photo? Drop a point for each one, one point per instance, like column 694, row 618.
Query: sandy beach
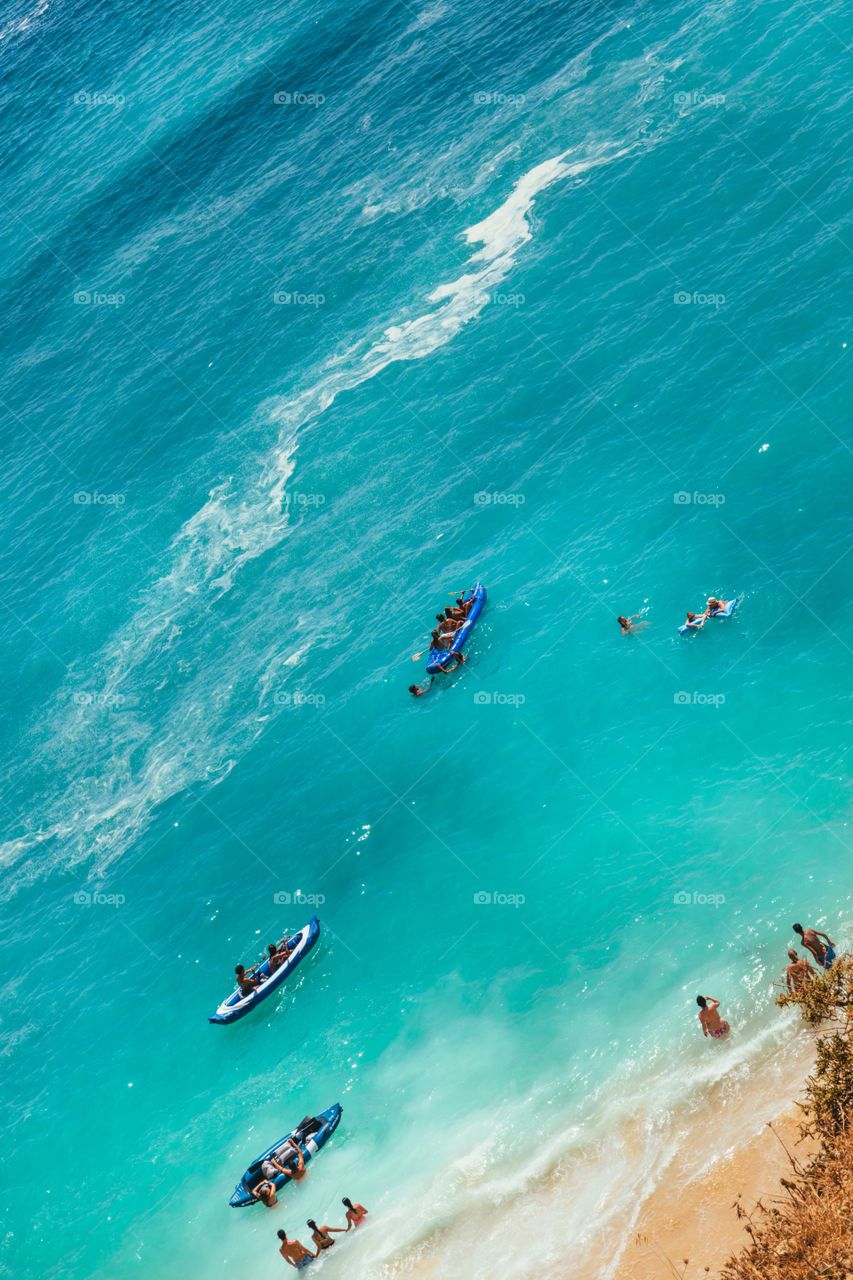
column 696, row 1220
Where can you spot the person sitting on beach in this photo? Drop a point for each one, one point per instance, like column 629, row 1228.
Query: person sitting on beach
column 294, row 1252
column 247, row 982
column 265, row 1192
column 709, row 1017
column 798, row 973
column 812, row 939
column 418, row 690
column 627, row 624
column 322, row 1236
column 694, row 622
column 356, row 1213
column 713, row 605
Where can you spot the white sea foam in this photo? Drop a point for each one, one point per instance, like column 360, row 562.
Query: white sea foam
column 538, row 1184
column 145, row 759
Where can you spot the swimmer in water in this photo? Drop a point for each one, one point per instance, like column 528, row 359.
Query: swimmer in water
column 418, row 690
column 454, row 660
column 627, row 624
column 694, row 622
column 709, row 1017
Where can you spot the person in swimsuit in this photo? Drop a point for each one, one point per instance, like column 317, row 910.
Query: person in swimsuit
column 322, row 1236
column 247, row 982
column 265, row 1192
column 812, row 939
column 294, row 1252
column 709, row 1017
column 278, row 954
column 418, row 690
column 455, row 660
column 694, row 622
column 627, row 624
column 356, row 1213
column 448, row 626
column 798, row 973
column 713, row 605
column 289, row 1159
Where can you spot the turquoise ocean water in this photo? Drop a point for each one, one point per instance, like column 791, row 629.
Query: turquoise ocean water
column 313, row 316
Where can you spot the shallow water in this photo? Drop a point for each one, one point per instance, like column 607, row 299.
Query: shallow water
column 314, row 317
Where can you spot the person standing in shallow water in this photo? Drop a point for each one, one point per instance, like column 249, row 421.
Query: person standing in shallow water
column 824, row 955
column 294, row 1252
column 356, row 1213
column 798, row 973
column 322, row 1236
column 709, row 1018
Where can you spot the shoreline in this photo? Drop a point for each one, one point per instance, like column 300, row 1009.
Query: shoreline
column 619, row 1204
column 733, row 1150
column 697, row 1221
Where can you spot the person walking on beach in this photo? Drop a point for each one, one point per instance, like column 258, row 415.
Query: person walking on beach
column 709, row 1017
column 294, row 1252
column 824, row 955
column 798, row 973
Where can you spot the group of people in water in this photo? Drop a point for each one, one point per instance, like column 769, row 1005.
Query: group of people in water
column 299, row 1256
column 798, row 973
column 442, row 637
column 288, row 1159
column 693, row 621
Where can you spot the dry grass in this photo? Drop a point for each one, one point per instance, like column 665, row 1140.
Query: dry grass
column 806, row 1233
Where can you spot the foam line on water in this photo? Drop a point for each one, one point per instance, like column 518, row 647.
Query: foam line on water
column 239, row 522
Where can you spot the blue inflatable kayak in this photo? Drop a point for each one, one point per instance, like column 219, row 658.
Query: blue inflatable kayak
column 237, row 1005
column 439, row 659
column 311, row 1135
column 727, row 610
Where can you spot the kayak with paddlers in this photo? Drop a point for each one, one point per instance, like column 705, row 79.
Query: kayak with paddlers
column 260, row 982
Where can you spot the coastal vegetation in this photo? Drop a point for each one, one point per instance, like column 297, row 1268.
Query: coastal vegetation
column 806, row 1231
